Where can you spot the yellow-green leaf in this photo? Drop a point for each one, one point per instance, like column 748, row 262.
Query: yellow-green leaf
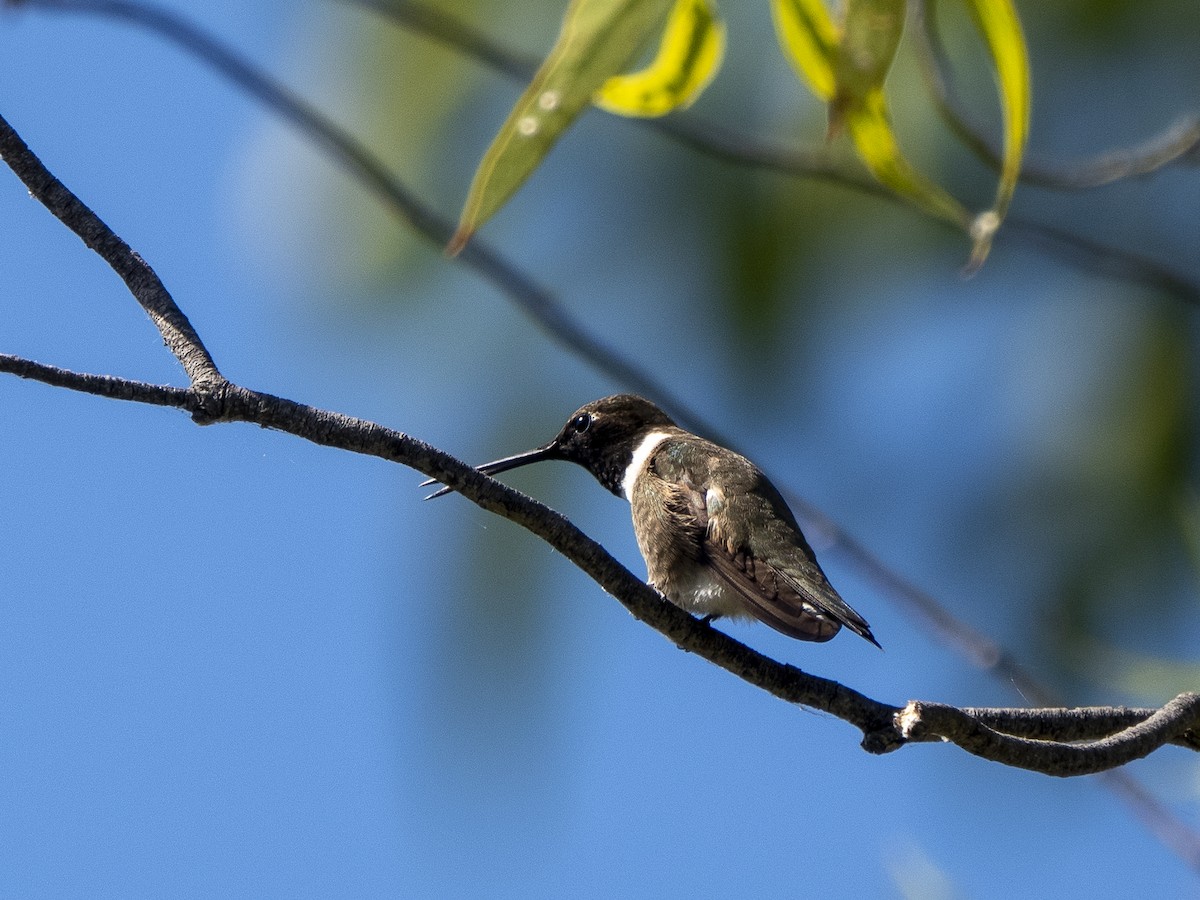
column 688, row 57
column 812, row 42
column 809, row 40
column 870, row 34
column 599, row 39
column 870, row 129
column 1001, row 29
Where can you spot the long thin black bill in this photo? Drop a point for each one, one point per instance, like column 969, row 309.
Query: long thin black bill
column 496, row 466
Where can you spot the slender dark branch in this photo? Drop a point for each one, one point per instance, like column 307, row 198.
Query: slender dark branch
column 536, row 301
column 453, row 33
column 1099, row 259
column 1177, row 143
column 141, row 280
column 1127, row 734
column 100, row 385
column 543, row 307
column 884, row 727
column 1180, row 715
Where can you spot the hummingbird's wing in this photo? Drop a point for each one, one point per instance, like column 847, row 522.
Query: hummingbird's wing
column 773, row 568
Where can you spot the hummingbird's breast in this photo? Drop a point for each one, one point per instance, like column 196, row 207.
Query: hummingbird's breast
column 671, row 522
column 696, row 588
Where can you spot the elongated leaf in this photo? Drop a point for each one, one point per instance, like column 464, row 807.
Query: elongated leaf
column 599, row 39
column 874, row 140
column 1001, row 29
column 691, row 51
column 812, row 42
column 870, row 34
column 809, row 39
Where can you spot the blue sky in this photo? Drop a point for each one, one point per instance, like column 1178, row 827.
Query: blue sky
column 234, row 664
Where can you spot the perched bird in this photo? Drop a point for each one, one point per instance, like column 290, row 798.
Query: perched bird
column 717, row 537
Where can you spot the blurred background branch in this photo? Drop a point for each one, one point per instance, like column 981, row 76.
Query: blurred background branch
column 819, row 164
column 1174, row 145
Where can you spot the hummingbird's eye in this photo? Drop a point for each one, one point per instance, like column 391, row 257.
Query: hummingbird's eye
column 581, row 423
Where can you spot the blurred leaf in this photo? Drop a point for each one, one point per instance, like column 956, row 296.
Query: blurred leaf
column 599, row 39
column 847, row 66
column 761, row 238
column 809, row 39
column 870, row 127
column 813, row 43
column 1118, row 491
column 1001, row 29
column 871, row 33
column 690, row 54
column 1189, row 523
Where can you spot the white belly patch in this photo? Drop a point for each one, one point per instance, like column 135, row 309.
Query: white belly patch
column 641, row 455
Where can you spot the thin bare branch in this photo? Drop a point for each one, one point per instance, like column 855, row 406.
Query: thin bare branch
column 1177, row 143
column 99, row 385
column 1099, row 259
column 920, row 720
column 884, row 727
column 145, row 286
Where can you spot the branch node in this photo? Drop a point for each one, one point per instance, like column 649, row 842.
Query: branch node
column 210, row 400
column 881, row 740
column 909, row 722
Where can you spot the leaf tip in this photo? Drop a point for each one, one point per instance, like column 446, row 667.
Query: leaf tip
column 459, row 240
column 983, row 229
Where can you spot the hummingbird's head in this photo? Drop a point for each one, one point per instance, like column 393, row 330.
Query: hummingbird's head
column 600, row 436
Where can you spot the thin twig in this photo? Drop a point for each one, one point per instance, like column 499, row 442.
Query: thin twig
column 536, row 301
column 141, row 280
column 1177, row 143
column 884, row 727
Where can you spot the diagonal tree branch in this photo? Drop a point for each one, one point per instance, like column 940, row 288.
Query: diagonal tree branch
column 145, row 286
column 1125, row 734
column 884, row 727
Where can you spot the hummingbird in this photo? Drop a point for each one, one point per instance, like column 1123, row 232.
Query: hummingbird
column 717, row 537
